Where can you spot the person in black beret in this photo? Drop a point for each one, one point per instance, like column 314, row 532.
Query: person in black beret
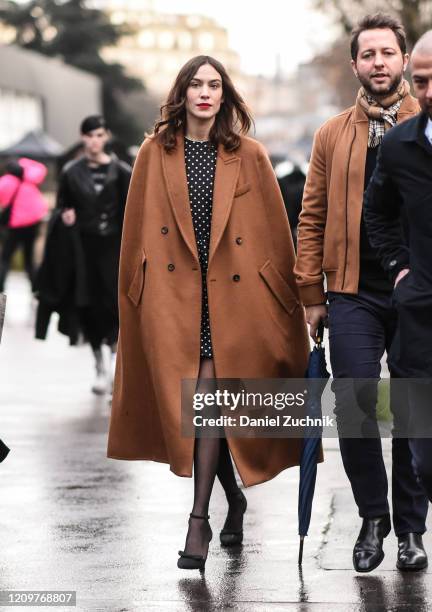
column 92, row 196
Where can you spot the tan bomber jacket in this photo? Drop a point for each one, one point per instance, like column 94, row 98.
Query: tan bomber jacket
column 328, row 240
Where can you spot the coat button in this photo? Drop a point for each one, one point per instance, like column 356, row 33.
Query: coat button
column 164, row 230
column 171, row 267
column 392, row 263
column 239, row 240
column 236, row 278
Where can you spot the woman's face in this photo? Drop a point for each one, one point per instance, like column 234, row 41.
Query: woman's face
column 204, row 95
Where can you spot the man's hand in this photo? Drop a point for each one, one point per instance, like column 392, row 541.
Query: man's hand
column 401, row 274
column 69, row 216
column 314, row 315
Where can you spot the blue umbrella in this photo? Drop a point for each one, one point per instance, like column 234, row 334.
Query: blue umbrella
column 317, row 370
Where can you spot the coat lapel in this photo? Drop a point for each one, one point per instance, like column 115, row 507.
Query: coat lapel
column 175, row 178
column 227, row 172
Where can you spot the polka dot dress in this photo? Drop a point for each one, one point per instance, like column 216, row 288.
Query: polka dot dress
column 200, row 160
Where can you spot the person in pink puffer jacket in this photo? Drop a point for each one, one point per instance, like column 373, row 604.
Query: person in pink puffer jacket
column 20, row 195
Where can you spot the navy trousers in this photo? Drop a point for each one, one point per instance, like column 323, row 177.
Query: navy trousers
column 361, row 328
column 420, row 401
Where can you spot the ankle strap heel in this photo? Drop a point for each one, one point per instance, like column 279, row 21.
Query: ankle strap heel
column 200, row 516
column 192, row 561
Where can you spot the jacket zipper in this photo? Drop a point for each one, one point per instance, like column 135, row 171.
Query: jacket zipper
column 346, row 208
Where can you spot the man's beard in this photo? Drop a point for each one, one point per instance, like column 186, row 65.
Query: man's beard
column 381, row 93
column 427, row 110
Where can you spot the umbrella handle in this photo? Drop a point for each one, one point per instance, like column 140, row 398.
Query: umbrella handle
column 320, row 334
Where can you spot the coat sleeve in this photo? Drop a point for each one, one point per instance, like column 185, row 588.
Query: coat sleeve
column 311, row 228
column 382, row 215
column 63, row 196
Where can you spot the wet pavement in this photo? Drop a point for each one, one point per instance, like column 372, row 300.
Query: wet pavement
column 71, row 519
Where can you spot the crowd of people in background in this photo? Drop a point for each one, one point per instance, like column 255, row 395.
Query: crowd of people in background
column 78, row 275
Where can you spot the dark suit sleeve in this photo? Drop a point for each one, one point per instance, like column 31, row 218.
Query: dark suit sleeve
column 63, row 195
column 382, row 215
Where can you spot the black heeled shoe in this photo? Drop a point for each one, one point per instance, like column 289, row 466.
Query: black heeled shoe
column 228, row 537
column 191, row 561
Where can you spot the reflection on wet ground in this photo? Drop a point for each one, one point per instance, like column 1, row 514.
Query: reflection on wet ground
column 72, row 519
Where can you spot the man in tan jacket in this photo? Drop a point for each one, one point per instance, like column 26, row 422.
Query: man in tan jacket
column 333, row 246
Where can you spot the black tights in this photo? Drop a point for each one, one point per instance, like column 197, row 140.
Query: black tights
column 211, row 458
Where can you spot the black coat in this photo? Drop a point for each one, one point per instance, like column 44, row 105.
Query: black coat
column 61, row 284
column 404, row 170
column 97, row 213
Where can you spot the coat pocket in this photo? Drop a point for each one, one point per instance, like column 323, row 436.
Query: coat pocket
column 137, row 285
column 242, row 189
column 279, row 287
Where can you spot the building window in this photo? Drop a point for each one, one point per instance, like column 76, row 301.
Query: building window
column 166, row 40
column 206, row 41
column 185, row 40
column 146, row 39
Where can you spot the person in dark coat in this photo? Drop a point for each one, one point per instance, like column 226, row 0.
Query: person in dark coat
column 60, row 284
column 292, row 186
column 404, row 169
column 92, row 195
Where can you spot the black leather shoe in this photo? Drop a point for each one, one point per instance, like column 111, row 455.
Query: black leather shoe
column 411, row 553
column 368, row 550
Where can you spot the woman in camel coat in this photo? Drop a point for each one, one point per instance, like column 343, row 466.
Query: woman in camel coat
column 244, row 322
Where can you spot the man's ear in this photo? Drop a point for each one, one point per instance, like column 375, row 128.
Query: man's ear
column 354, row 68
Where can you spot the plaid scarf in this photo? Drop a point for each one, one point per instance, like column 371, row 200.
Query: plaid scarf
column 383, row 114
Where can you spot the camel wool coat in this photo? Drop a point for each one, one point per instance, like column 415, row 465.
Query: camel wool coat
column 257, row 324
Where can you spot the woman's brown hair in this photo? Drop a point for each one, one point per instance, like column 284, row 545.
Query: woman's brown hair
column 232, row 119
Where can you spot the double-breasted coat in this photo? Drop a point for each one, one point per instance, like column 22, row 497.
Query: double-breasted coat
column 257, row 324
